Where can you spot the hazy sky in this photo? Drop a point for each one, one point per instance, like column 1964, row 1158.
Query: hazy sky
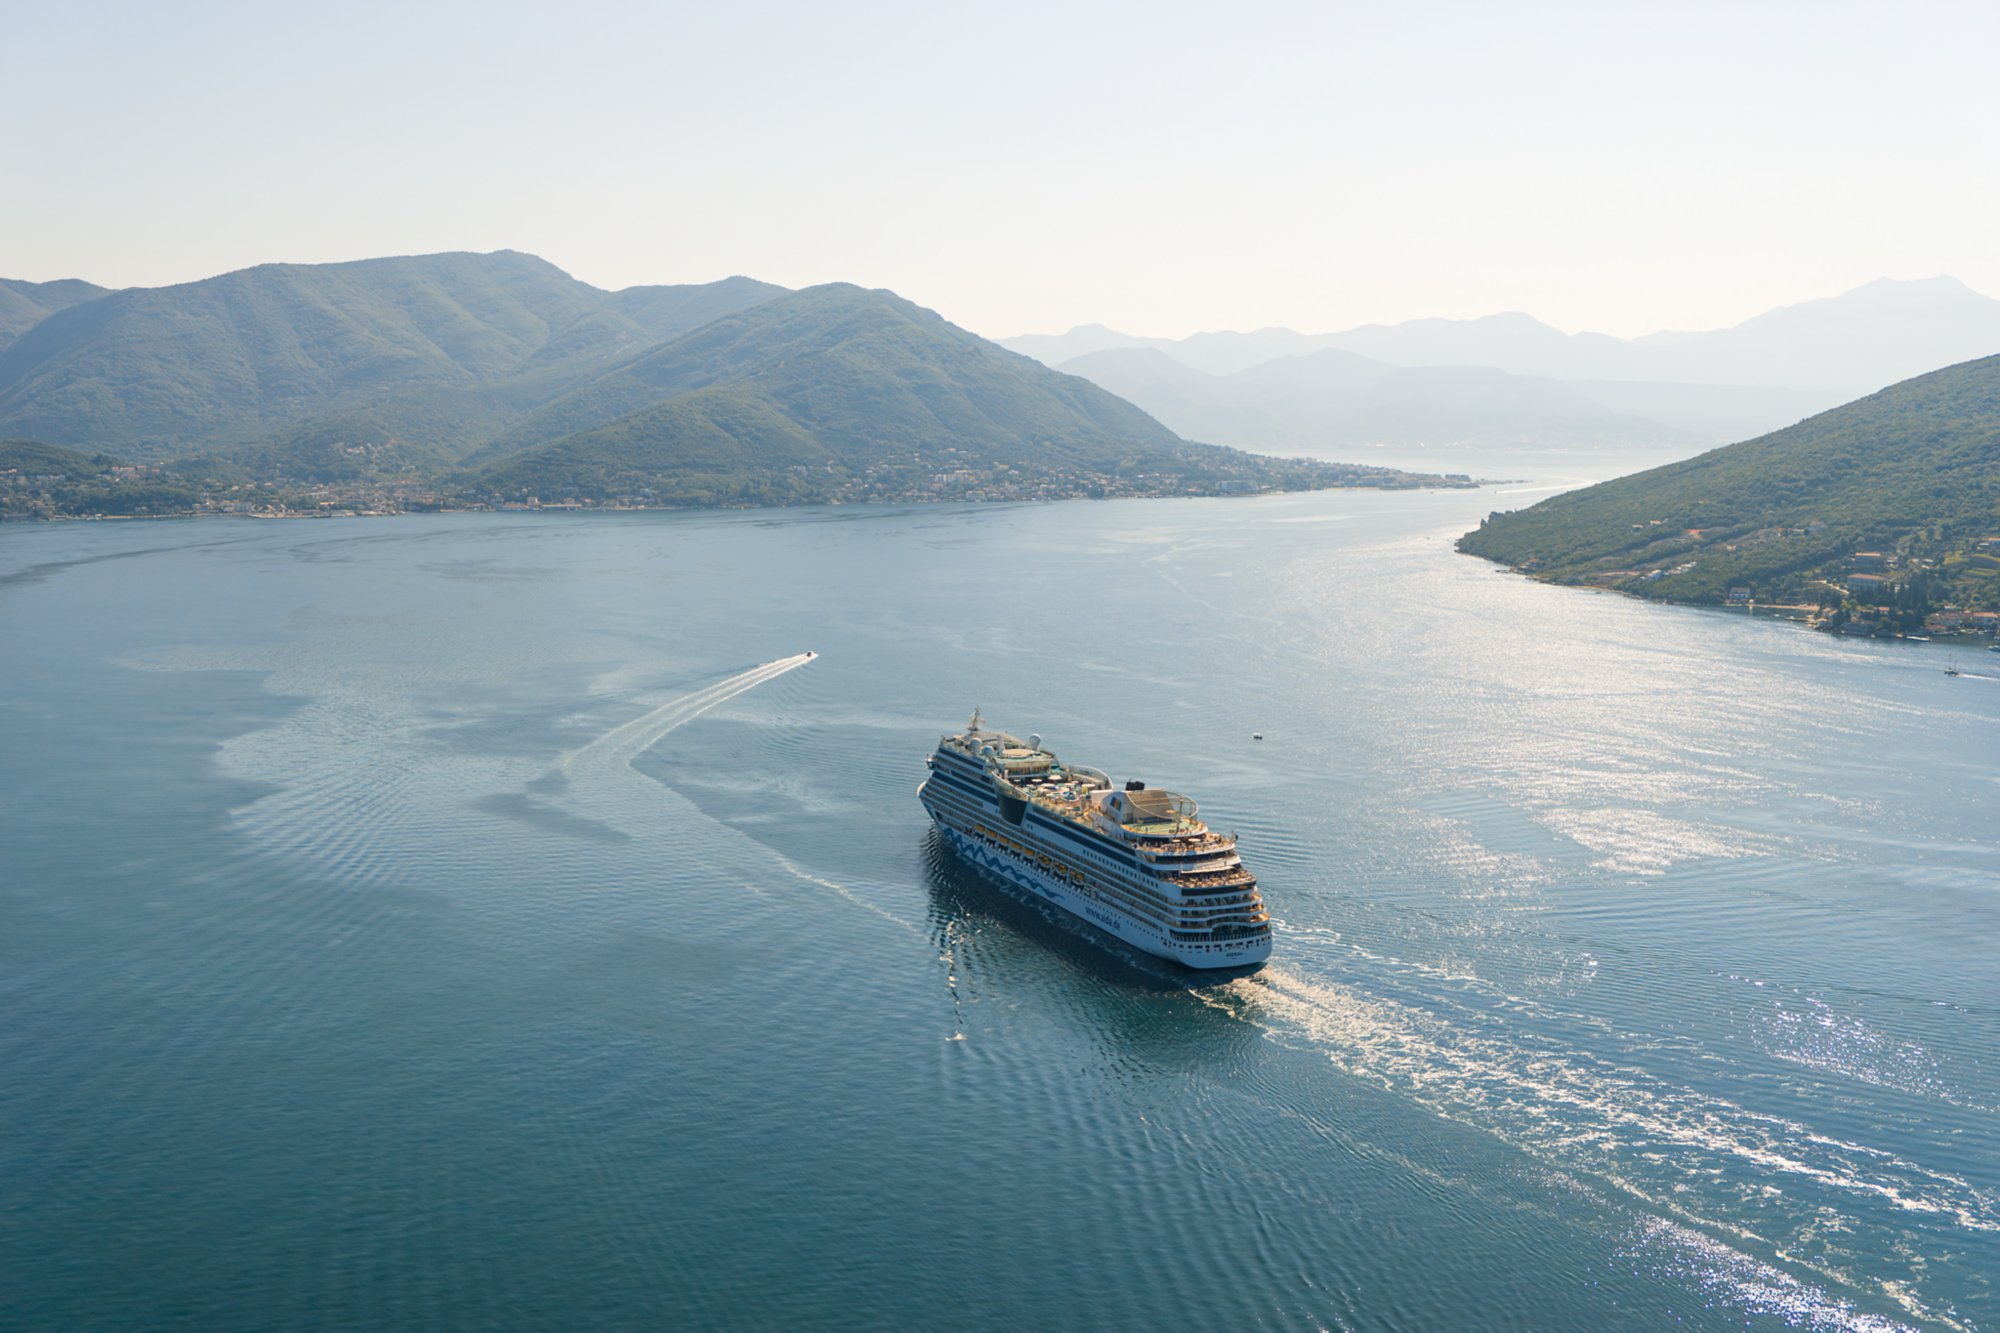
column 1025, row 167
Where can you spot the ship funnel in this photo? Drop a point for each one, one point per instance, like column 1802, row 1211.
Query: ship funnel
column 1034, row 742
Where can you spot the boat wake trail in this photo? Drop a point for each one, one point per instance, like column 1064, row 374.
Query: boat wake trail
column 1666, row 1146
column 618, row 747
column 368, row 802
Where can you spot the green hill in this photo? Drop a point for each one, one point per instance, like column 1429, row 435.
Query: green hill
column 866, row 367
column 441, row 351
column 1911, row 474
column 32, row 456
column 26, row 304
column 43, row 480
column 455, row 378
column 837, row 392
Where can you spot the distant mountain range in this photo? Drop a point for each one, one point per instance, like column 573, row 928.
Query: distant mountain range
column 501, row 376
column 1511, row 378
column 1910, row 476
column 1333, row 400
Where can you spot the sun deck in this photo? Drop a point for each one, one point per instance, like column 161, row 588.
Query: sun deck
column 1165, row 828
column 1155, row 823
column 1069, row 801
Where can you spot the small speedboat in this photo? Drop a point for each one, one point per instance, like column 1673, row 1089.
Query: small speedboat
column 1256, row 735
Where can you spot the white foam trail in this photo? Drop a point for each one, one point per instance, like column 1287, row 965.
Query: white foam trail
column 1540, row 1098
column 1582, row 1114
column 353, row 791
column 627, row 741
column 842, row 890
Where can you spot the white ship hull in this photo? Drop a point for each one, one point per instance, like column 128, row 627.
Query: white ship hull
column 1022, row 873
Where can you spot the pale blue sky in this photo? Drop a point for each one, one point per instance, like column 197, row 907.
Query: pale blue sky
column 1025, row 167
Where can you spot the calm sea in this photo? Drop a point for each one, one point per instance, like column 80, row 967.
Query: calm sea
column 454, row 922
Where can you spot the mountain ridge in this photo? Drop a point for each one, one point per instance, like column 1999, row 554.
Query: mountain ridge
column 441, row 346
column 827, row 320
column 828, row 391
column 25, row 304
column 462, row 378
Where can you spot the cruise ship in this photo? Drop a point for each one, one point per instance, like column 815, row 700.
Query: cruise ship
column 1138, row 863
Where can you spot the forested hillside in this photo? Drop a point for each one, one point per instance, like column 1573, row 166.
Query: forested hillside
column 461, row 379
column 440, row 351
column 837, row 392
column 1889, row 499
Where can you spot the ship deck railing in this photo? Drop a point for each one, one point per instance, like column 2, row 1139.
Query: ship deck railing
column 1221, row 908
column 1208, row 842
column 1234, row 912
column 1165, row 828
column 1213, row 879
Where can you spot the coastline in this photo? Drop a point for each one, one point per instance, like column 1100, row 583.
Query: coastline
column 1812, row 619
column 1420, row 482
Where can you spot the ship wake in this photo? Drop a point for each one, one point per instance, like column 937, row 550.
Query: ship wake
column 1665, row 1146
column 618, row 747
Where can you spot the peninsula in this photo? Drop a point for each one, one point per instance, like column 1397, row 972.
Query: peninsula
column 1878, row 517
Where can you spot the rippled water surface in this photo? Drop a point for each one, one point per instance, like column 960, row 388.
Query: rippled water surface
column 494, row 921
